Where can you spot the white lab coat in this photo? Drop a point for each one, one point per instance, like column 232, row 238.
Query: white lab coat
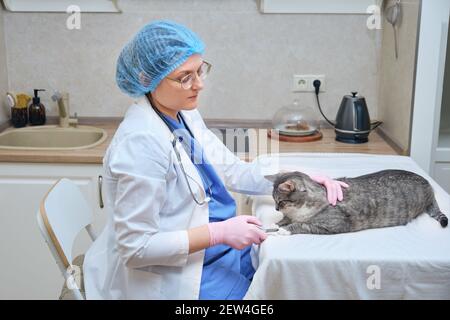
column 142, row 252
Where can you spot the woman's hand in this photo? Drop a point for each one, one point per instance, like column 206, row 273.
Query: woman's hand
column 334, row 187
column 237, row 232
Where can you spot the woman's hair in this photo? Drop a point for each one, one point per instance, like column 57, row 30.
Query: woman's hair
column 155, row 51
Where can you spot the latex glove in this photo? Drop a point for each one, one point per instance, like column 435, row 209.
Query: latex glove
column 237, row 232
column 334, row 187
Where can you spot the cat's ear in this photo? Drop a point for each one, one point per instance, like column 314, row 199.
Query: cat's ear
column 287, row 187
column 272, row 177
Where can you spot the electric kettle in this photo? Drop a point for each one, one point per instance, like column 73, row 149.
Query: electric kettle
column 353, row 120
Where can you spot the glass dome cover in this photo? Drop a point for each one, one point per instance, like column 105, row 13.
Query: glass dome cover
column 295, row 120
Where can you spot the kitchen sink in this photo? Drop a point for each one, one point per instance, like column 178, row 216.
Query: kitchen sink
column 52, row 137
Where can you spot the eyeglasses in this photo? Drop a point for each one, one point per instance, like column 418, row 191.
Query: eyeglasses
column 188, row 80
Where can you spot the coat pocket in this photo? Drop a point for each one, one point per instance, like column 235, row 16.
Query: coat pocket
column 143, row 284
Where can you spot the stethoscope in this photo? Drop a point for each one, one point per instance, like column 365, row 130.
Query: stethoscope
column 177, row 153
column 207, row 198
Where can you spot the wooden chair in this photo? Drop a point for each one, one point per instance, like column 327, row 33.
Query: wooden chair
column 62, row 214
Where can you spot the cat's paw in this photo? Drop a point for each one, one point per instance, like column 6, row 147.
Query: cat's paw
column 283, row 232
column 271, row 229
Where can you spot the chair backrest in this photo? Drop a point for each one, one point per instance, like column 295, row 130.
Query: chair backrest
column 62, row 214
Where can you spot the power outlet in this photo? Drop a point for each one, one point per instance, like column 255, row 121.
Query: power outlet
column 304, row 83
column 300, row 83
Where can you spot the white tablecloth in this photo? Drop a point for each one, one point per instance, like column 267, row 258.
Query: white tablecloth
column 406, row 262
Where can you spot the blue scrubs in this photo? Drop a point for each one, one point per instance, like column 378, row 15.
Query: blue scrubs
column 227, row 272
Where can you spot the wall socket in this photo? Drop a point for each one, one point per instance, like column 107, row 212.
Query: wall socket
column 304, row 83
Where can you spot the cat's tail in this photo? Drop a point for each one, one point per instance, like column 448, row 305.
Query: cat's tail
column 437, row 214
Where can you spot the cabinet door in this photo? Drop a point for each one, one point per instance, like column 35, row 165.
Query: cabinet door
column 243, row 203
column 28, row 268
column 442, row 175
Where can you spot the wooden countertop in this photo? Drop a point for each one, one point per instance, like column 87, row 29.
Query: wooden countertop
column 328, row 144
column 376, row 145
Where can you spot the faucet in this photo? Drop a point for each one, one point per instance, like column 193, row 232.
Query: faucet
column 63, row 110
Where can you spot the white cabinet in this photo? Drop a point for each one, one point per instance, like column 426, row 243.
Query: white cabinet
column 243, row 203
column 442, row 175
column 28, row 269
column 430, row 137
column 441, row 171
column 429, row 83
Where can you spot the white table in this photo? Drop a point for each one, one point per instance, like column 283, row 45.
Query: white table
column 406, row 262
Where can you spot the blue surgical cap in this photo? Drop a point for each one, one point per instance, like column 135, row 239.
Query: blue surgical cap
column 157, row 49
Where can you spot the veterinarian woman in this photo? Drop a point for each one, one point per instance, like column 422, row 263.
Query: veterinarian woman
column 172, row 230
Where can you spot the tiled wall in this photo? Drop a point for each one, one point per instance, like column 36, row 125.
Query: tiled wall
column 254, row 56
column 397, row 76
column 4, row 112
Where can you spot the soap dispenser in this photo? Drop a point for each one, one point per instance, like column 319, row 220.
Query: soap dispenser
column 36, row 111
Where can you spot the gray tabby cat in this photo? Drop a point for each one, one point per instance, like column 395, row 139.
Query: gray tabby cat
column 382, row 199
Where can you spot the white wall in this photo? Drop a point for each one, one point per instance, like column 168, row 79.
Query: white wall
column 254, row 56
column 397, row 75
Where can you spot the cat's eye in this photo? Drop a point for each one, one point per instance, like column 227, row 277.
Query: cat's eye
column 283, row 203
